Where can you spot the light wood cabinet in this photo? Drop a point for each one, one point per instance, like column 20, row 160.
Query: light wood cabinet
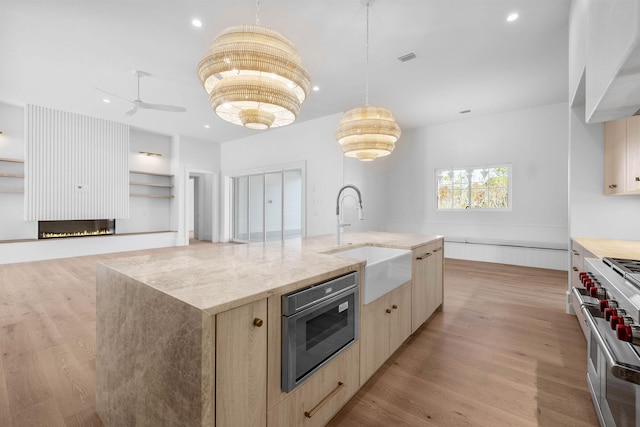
column 622, row 156
column 318, row 399
column 385, row 325
column 426, row 282
column 241, row 366
column 633, row 154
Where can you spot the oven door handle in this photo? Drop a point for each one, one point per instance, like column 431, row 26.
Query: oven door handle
column 621, row 370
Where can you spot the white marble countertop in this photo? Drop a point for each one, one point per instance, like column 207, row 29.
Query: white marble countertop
column 225, row 277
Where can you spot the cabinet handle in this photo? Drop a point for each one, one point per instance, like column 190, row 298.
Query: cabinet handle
column 637, row 178
column 576, row 253
column 257, row 322
column 575, row 268
column 388, row 310
column 613, row 186
column 427, row 255
column 329, row 396
column 437, row 250
column 395, row 307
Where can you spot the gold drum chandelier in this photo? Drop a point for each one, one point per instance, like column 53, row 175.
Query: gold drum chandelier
column 367, row 133
column 254, row 77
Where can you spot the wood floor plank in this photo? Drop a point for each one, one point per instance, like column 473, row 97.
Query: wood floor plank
column 502, row 352
column 497, row 355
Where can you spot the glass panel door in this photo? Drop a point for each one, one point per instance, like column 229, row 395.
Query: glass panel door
column 241, row 208
column 273, row 205
column 292, row 206
column 256, row 208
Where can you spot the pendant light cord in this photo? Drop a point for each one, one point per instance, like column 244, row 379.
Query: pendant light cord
column 366, row 67
column 257, row 12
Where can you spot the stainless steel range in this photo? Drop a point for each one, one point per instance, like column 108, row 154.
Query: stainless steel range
column 610, row 309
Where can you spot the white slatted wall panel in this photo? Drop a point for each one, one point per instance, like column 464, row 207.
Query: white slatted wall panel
column 76, row 167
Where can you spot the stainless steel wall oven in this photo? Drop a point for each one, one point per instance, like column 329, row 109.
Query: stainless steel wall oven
column 317, row 324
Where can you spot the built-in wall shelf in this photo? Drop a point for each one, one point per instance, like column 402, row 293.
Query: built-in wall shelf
column 153, row 196
column 153, row 185
column 152, row 173
column 144, row 184
column 5, row 159
column 11, row 168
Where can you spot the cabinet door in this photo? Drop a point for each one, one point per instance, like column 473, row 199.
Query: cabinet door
column 436, row 279
column 615, row 136
column 576, row 263
column 241, row 366
column 374, row 336
column 318, row 399
column 633, row 154
column 400, row 318
column 419, row 285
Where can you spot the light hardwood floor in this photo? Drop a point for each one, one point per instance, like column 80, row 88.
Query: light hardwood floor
column 501, row 353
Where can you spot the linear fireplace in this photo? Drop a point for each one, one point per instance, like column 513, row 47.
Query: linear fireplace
column 76, row 228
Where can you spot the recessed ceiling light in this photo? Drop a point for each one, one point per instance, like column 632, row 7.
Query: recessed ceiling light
column 196, row 23
column 207, row 126
column 316, row 88
column 512, row 17
column 106, row 101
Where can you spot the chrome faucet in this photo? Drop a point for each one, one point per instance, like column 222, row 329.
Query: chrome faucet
column 359, row 207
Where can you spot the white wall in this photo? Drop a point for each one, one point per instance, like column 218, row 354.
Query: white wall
column 592, row 214
column 312, row 141
column 534, row 141
column 12, row 224
column 148, row 214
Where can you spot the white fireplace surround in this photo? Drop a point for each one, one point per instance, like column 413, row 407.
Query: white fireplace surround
column 76, row 167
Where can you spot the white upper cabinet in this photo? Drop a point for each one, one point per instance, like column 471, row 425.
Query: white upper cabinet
column 613, row 60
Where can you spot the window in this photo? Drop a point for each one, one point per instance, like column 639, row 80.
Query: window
column 267, row 206
column 484, row 187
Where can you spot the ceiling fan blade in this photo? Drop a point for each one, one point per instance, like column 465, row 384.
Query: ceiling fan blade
column 113, row 94
column 133, row 110
column 161, row 107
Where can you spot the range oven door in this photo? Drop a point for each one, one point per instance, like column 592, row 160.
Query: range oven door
column 613, row 382
column 315, row 335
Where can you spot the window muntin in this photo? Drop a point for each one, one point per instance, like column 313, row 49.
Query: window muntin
column 481, row 187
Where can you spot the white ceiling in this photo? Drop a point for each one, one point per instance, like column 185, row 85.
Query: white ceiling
column 56, row 53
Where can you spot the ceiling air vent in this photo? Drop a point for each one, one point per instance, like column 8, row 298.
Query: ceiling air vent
column 407, row 57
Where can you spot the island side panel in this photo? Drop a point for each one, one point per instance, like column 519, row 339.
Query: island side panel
column 154, row 356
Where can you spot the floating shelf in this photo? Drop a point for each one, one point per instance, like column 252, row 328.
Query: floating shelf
column 153, row 196
column 11, row 191
column 5, row 159
column 152, row 173
column 11, row 175
column 144, row 184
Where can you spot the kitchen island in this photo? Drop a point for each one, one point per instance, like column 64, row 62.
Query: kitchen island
column 193, row 337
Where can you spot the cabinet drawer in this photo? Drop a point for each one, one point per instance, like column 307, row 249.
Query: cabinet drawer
column 316, row 401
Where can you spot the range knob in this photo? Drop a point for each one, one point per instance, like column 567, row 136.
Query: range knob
column 598, row 292
column 624, row 333
column 604, row 304
column 629, row 333
column 615, row 321
column 609, row 313
column 620, row 319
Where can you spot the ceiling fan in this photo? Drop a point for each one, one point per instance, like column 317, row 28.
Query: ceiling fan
column 139, row 104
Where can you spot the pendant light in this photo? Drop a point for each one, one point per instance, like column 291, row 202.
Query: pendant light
column 254, row 76
column 367, row 133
